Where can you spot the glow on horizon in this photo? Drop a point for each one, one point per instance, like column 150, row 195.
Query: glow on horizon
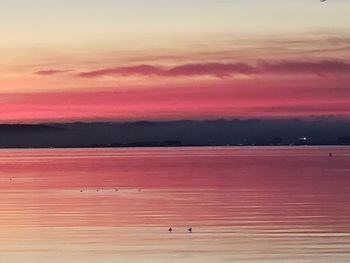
column 218, row 50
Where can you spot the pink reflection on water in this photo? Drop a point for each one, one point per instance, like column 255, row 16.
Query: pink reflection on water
column 295, row 199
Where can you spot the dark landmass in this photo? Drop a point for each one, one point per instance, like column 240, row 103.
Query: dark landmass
column 176, row 133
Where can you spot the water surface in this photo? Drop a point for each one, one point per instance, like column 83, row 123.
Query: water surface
column 115, row 205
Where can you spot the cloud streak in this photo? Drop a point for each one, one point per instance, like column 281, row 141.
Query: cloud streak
column 221, row 70
column 297, row 67
column 49, row 72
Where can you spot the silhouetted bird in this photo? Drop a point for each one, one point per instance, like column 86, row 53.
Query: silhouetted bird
column 190, row 230
column 81, row 191
column 170, row 229
column 330, row 154
column 97, row 190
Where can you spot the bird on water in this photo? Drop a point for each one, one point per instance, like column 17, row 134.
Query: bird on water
column 170, row 229
column 190, row 230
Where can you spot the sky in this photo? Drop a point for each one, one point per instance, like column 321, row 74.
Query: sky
column 75, row 60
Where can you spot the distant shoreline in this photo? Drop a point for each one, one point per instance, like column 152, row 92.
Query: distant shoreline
column 178, row 147
column 185, row 133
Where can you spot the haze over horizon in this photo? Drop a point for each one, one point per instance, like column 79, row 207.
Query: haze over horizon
column 110, row 60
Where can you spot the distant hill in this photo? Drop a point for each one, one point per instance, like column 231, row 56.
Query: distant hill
column 176, row 133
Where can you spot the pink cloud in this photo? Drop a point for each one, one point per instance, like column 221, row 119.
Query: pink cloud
column 226, row 69
column 214, row 69
column 49, row 72
column 124, row 71
column 196, row 69
column 304, row 67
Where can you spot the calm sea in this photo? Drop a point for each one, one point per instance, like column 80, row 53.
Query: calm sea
column 116, row 205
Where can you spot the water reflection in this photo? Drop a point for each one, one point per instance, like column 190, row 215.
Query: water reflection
column 244, row 205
